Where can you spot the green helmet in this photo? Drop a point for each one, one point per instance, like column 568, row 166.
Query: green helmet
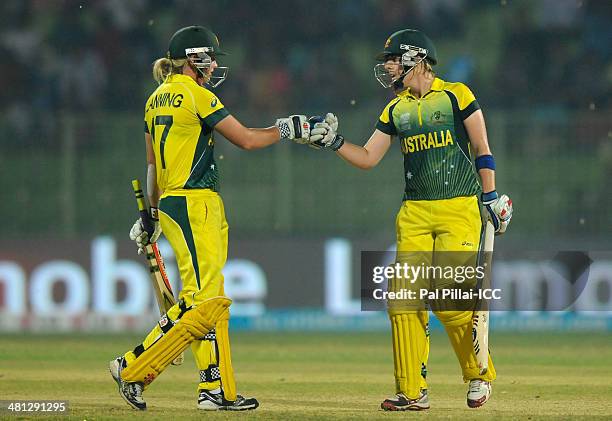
column 201, row 46
column 192, row 37
column 399, row 42
column 412, row 47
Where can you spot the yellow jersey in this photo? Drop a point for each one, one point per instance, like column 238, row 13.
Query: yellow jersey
column 180, row 117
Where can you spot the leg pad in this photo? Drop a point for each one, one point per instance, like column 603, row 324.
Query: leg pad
column 410, row 349
column 224, row 357
column 458, row 326
column 194, row 324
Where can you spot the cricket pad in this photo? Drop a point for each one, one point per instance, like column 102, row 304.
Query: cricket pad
column 194, row 324
column 224, row 357
column 458, row 326
column 410, row 351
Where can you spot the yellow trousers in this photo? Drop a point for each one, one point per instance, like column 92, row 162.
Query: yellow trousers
column 425, row 227
column 194, row 223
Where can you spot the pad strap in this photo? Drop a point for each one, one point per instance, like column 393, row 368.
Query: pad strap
column 210, row 336
column 211, row 374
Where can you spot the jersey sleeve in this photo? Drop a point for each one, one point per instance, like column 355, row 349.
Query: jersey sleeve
column 385, row 122
column 465, row 99
column 209, row 108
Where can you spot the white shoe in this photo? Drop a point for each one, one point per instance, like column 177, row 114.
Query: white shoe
column 479, row 393
column 402, row 403
column 131, row 392
column 214, row 400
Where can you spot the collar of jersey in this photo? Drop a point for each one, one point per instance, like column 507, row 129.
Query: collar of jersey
column 179, row 78
column 437, row 85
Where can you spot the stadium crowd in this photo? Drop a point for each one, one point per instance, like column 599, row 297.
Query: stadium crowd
column 88, row 56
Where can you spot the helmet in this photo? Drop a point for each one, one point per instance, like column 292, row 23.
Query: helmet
column 412, row 47
column 201, row 46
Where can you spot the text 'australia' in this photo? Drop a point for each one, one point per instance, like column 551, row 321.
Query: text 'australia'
column 421, row 142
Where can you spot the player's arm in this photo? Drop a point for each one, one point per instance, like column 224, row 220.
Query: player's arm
column 477, row 133
column 244, row 137
column 368, row 156
column 152, row 188
column 294, row 128
column 138, row 233
column 500, row 208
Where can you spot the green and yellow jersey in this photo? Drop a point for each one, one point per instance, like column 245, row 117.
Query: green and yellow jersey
column 433, row 140
column 180, row 116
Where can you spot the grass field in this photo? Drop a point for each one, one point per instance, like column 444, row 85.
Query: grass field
column 320, row 376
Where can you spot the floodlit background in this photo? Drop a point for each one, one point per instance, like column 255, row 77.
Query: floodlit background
column 75, row 75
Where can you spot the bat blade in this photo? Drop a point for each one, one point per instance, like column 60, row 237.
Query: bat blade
column 159, row 278
column 157, row 269
column 480, row 319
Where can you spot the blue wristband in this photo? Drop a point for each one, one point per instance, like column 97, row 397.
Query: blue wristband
column 485, row 161
column 489, row 197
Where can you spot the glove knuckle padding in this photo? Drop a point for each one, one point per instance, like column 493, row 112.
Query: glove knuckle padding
column 136, row 230
column 332, row 120
column 194, row 324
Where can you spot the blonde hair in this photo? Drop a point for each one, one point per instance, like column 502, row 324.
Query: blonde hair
column 164, row 67
column 427, row 68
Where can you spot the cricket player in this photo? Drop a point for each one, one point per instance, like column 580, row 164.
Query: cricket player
column 181, row 116
column 439, row 127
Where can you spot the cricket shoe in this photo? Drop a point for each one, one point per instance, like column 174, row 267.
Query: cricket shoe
column 479, row 393
column 213, row 400
column 131, row 392
column 402, row 403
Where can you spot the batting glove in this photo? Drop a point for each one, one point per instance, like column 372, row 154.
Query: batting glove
column 324, row 134
column 295, row 128
column 141, row 237
column 499, row 209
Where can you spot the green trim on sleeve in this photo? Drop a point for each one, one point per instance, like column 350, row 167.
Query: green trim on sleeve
column 212, row 119
column 470, row 109
column 386, row 128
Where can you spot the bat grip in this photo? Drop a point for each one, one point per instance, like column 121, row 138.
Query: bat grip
column 145, row 217
column 147, row 224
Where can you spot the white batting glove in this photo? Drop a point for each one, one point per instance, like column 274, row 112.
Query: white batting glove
column 500, row 210
column 325, row 134
column 141, row 237
column 295, row 128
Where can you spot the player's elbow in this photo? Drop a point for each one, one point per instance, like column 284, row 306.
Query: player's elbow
column 246, row 145
column 248, row 142
column 366, row 166
column 362, row 164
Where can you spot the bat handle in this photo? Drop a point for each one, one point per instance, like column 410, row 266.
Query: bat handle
column 145, row 218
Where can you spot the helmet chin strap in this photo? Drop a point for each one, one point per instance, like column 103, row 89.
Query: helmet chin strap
column 199, row 74
column 399, row 82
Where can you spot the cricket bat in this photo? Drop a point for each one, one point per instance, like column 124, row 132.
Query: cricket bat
column 159, row 278
column 480, row 319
